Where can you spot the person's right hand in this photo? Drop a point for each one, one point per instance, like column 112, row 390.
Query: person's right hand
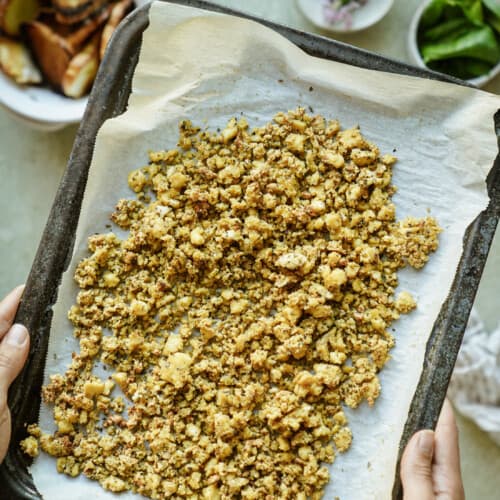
column 430, row 467
column 14, row 347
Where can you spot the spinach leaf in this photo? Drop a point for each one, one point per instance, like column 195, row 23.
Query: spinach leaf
column 478, row 43
column 493, row 6
column 432, row 13
column 460, row 37
column 493, row 21
column 456, row 26
column 450, row 9
column 452, row 12
column 473, row 10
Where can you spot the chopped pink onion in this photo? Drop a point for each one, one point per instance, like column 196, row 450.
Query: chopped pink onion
column 338, row 12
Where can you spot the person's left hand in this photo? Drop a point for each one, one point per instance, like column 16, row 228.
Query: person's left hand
column 14, row 347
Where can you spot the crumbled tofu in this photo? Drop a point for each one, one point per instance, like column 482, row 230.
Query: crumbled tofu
column 388, row 159
column 248, row 305
column 30, row 446
column 333, row 278
column 110, row 279
column 295, row 142
column 137, row 180
column 238, row 306
column 405, row 303
column 114, row 484
column 343, row 439
column 178, row 180
column 363, row 157
column 292, row 261
column 230, row 131
column 333, row 221
column 120, row 378
column 197, row 237
column 93, row 388
column 139, row 308
column 333, row 159
column 65, row 427
column 173, row 344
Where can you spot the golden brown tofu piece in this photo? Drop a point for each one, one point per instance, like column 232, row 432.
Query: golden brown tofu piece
column 16, row 62
column 52, row 52
column 118, row 12
column 80, row 73
column 89, row 27
column 75, row 11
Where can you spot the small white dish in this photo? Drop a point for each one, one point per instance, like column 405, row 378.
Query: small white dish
column 414, row 52
column 362, row 18
column 40, row 107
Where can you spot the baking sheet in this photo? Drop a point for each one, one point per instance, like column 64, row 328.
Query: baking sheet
column 209, row 67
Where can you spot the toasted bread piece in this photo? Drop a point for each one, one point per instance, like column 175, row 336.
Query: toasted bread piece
column 52, row 52
column 78, row 13
column 14, row 13
column 80, row 74
column 49, row 19
column 70, row 5
column 15, row 61
column 89, row 27
column 118, row 12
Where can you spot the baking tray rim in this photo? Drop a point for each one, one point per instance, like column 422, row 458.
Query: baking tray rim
column 49, row 266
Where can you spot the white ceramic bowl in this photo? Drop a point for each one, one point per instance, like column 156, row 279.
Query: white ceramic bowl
column 416, row 58
column 40, row 107
column 362, row 18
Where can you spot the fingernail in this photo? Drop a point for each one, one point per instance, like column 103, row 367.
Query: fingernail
column 17, row 335
column 426, row 442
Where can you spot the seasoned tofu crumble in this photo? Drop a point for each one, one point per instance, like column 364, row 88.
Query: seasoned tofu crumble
column 248, row 305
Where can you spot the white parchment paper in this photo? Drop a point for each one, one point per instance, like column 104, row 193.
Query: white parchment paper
column 209, row 67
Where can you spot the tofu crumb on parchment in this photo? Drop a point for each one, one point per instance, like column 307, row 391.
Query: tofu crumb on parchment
column 248, row 305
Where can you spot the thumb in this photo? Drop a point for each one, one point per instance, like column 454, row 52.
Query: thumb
column 13, row 353
column 416, row 467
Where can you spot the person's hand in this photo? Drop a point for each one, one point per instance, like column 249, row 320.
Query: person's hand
column 14, row 347
column 430, row 467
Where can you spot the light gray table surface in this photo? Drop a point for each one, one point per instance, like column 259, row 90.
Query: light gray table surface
column 32, row 162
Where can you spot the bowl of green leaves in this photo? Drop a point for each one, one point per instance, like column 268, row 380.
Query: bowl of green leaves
column 458, row 37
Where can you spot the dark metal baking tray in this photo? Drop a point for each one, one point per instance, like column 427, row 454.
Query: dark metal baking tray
column 109, row 98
